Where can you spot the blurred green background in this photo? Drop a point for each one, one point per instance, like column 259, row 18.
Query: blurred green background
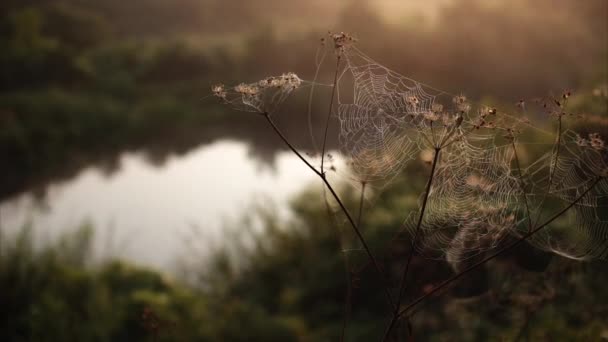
column 84, row 82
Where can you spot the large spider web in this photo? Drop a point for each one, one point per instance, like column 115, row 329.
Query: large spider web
column 582, row 232
column 479, row 198
column 480, row 195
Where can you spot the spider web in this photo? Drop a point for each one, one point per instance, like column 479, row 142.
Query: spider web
column 377, row 129
column 582, row 233
column 478, row 199
column 387, row 119
column 480, row 195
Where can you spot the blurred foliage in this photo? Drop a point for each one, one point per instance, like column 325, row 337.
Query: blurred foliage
column 83, row 80
column 55, row 293
column 119, row 75
column 287, row 283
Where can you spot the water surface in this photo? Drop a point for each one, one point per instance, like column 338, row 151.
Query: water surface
column 143, row 212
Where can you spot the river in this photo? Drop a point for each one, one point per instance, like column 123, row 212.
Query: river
column 143, row 212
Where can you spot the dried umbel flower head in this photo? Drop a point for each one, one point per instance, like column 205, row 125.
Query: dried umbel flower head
column 461, row 103
column 413, row 101
column 262, row 96
column 594, row 141
column 246, row 89
column 219, row 90
column 430, row 116
column 287, row 82
column 341, row 40
column 582, row 142
column 437, row 108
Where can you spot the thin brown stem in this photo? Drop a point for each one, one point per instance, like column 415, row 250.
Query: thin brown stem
column 403, row 282
column 331, row 104
column 499, row 252
column 342, row 206
column 293, row 149
column 362, row 240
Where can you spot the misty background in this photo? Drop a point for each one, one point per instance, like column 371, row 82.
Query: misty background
column 108, row 134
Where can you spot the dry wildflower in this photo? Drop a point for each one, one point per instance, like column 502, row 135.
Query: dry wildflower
column 287, row 82
column 437, row 108
column 431, row 116
column 263, row 96
column 341, row 40
column 459, row 99
column 582, row 142
column 246, row 89
column 596, row 142
column 412, row 101
column 447, row 119
column 461, row 103
column 219, row 90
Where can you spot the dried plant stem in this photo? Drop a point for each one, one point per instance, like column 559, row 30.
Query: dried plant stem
column 331, row 104
column 499, row 252
column 403, row 282
column 522, row 186
column 342, row 206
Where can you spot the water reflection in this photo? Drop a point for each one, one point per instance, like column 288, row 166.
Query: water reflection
column 144, row 210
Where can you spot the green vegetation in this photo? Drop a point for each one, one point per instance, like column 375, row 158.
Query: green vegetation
column 82, row 81
column 282, row 285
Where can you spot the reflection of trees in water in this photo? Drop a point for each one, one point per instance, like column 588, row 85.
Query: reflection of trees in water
column 263, row 147
column 513, row 49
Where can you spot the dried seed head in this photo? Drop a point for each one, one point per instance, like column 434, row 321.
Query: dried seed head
column 582, row 142
column 219, row 90
column 412, row 101
column 431, row 116
column 596, row 142
column 461, row 103
column 437, row 108
column 341, row 40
